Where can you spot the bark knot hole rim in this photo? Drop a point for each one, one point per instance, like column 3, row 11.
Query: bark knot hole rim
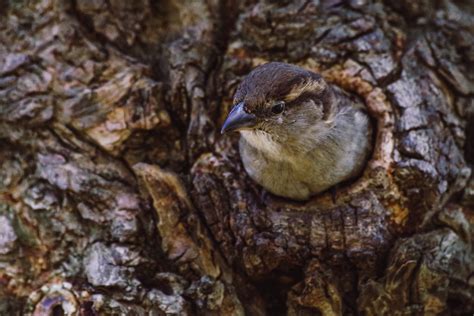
column 381, row 115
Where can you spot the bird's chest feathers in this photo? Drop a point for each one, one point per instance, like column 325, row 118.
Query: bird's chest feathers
column 264, row 143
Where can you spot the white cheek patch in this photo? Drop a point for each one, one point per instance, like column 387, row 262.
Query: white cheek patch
column 279, row 120
column 263, row 142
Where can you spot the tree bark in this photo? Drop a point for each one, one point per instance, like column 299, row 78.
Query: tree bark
column 119, row 196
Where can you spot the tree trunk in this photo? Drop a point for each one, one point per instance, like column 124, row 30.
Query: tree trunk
column 118, row 195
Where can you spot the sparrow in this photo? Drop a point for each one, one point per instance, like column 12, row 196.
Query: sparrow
column 299, row 135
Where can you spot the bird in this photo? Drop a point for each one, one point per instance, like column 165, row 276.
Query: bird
column 299, row 135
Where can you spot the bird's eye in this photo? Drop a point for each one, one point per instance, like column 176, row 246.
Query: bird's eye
column 278, row 107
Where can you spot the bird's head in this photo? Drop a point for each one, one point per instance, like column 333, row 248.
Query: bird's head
column 282, row 102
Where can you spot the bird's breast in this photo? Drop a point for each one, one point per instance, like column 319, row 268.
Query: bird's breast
column 263, row 142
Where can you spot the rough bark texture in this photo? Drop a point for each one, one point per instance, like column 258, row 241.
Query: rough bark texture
column 119, row 196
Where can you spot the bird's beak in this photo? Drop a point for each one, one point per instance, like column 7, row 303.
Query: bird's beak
column 238, row 119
